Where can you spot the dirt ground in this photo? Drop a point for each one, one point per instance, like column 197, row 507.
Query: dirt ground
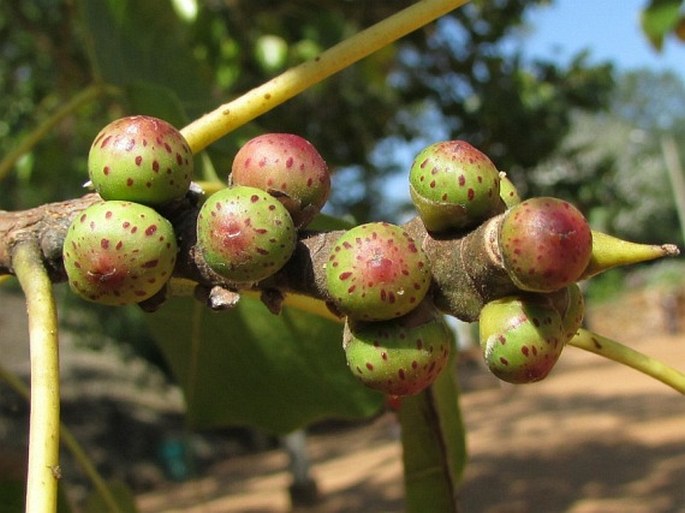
column 595, row 437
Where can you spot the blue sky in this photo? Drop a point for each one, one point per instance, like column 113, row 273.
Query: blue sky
column 610, row 29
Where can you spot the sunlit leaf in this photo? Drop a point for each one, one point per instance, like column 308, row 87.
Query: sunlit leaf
column 659, row 18
column 133, row 41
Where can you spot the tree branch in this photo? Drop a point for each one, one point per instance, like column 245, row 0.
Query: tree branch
column 467, row 269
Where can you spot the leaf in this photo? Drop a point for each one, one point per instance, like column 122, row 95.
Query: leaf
column 659, row 18
column 122, row 494
column 249, row 367
column 133, row 41
column 325, row 222
column 156, row 100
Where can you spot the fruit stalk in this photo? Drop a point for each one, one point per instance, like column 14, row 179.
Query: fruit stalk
column 219, row 122
column 43, row 458
column 616, row 351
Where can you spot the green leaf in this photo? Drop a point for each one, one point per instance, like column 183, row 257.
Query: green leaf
column 250, row 367
column 156, row 100
column 133, row 41
column 325, row 222
column 659, row 18
column 122, row 494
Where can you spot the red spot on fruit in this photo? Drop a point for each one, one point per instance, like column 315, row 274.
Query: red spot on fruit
column 380, row 269
column 150, row 230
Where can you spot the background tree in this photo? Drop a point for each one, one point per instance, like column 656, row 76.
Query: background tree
column 612, row 162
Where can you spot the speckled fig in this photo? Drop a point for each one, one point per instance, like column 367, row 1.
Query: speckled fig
column 521, row 337
column 454, row 186
column 400, row 356
column 245, row 234
column 545, row 243
column 376, row 271
column 119, row 252
column 287, row 166
column 141, row 159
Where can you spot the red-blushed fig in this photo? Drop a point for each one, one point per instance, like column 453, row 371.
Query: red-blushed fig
column 244, row 234
column 454, row 186
column 400, row 356
column 376, row 271
column 545, row 244
column 141, row 159
column 288, row 167
column 521, row 337
column 119, row 252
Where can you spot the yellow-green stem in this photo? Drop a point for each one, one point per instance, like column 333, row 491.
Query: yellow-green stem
column 616, row 351
column 214, row 125
column 43, row 460
column 27, row 143
column 71, row 443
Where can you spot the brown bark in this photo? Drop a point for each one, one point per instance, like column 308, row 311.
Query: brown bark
column 467, row 270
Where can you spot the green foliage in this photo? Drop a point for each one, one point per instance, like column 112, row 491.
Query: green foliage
column 661, row 17
column 611, row 164
column 244, row 368
column 514, row 111
column 122, row 494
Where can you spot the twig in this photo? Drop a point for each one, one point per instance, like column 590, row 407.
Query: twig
column 620, row 353
column 43, row 460
column 214, row 125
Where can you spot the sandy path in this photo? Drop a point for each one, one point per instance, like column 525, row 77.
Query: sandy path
column 594, row 437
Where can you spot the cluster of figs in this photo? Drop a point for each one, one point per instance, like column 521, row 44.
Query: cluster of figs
column 123, row 250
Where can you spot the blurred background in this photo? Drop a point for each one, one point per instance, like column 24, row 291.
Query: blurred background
column 571, row 98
